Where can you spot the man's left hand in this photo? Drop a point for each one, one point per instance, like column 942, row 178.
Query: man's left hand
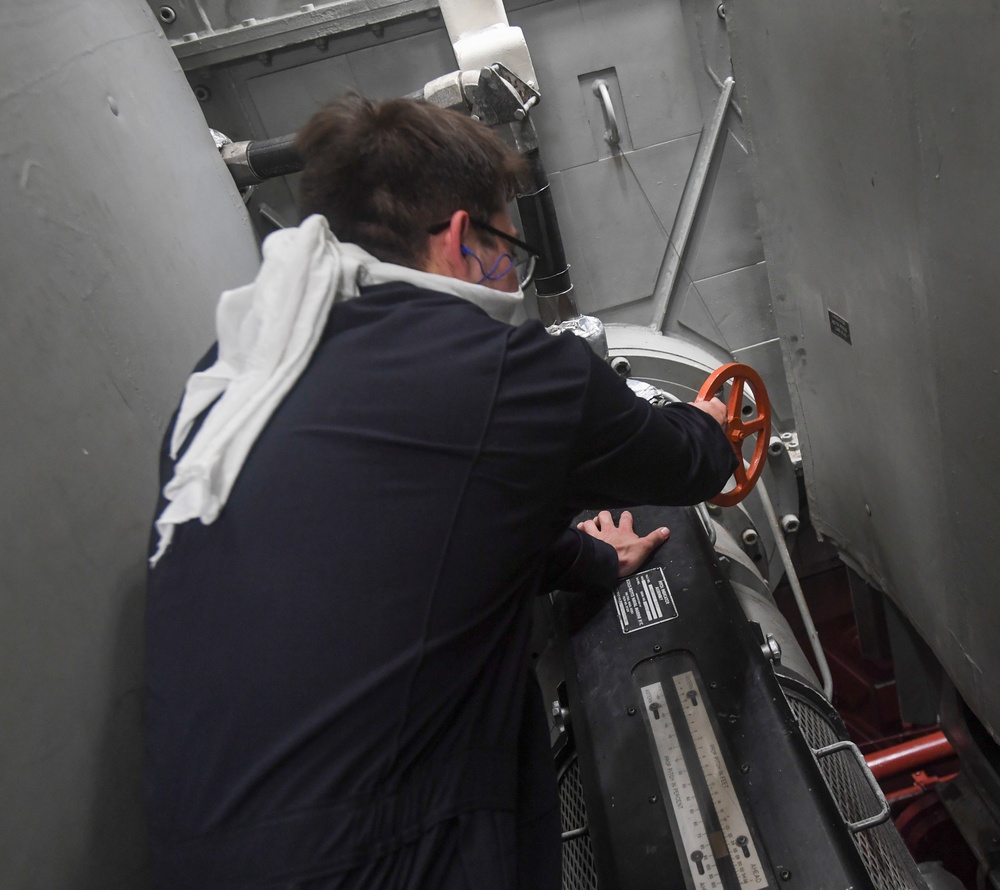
column 632, row 550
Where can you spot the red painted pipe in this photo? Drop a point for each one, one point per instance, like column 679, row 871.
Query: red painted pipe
column 909, row 756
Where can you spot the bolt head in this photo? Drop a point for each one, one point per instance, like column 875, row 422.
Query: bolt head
column 621, row 366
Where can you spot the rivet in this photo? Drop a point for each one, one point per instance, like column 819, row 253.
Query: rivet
column 653, row 798
column 630, row 712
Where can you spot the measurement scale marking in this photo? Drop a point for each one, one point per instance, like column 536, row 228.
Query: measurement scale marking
column 699, row 858
column 739, row 845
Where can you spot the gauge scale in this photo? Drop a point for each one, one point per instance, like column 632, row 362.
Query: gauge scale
column 716, row 846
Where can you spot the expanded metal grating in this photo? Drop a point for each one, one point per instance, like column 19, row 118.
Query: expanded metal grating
column 577, row 854
column 882, row 849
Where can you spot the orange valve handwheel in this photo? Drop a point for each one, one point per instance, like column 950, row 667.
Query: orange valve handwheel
column 738, row 428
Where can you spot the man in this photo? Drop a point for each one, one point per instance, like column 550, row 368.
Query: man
column 338, row 689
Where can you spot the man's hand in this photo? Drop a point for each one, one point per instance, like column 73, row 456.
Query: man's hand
column 632, row 550
column 714, row 408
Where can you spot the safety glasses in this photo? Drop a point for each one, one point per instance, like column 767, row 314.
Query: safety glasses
column 521, row 255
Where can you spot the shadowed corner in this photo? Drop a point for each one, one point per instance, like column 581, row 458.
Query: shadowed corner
column 117, row 845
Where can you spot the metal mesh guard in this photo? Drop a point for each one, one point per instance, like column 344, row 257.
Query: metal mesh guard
column 882, row 849
column 578, row 872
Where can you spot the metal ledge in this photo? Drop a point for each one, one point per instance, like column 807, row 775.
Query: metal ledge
column 204, row 48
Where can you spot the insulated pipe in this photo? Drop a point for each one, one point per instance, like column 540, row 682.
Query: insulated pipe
column 262, row 159
column 909, row 756
column 541, row 229
column 481, row 36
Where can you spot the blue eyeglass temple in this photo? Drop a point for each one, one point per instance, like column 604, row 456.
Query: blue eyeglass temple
column 493, row 274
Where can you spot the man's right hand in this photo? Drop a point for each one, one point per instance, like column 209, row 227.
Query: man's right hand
column 714, row 408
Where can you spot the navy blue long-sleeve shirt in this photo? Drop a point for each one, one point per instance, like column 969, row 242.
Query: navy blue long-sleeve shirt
column 337, row 666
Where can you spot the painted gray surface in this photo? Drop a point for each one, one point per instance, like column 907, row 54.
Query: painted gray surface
column 120, row 226
column 874, row 127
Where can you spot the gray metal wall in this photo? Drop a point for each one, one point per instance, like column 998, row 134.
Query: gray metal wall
column 120, row 225
column 874, row 132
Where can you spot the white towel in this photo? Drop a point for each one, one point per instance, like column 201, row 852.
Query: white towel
column 267, row 333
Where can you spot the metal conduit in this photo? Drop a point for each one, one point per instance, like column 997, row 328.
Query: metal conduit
column 793, row 582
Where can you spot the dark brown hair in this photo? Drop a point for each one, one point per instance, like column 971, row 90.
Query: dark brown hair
column 383, row 172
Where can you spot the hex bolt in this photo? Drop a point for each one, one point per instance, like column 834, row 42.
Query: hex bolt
column 775, row 447
column 789, row 523
column 621, row 366
column 750, row 537
column 167, row 15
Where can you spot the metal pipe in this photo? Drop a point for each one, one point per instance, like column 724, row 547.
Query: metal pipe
column 909, row 756
column 924, row 784
column 793, row 582
column 687, row 213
